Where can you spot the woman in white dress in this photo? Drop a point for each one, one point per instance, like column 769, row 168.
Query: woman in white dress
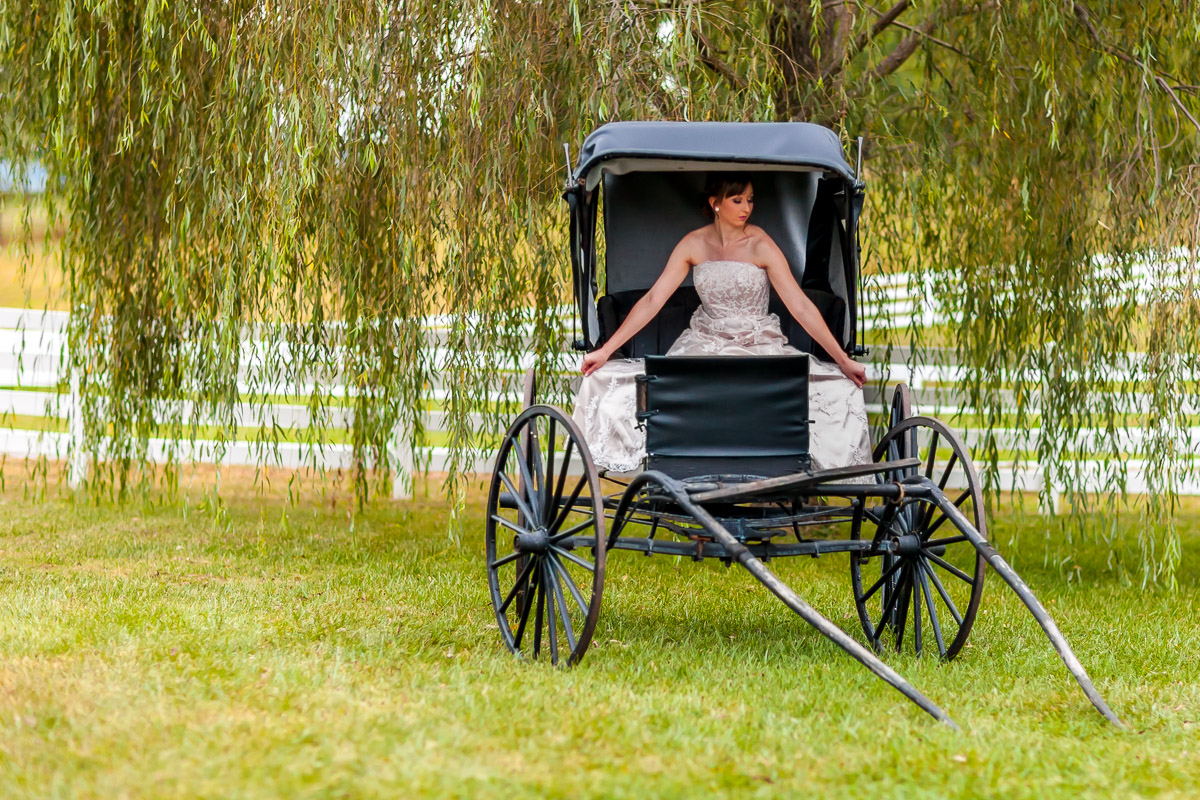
column 733, row 265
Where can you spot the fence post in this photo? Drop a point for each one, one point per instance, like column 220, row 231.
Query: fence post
column 78, row 466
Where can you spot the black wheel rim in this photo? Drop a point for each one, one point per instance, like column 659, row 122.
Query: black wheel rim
column 544, row 545
column 922, row 588
column 902, row 405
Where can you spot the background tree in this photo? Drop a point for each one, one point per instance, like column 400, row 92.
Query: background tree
column 322, row 176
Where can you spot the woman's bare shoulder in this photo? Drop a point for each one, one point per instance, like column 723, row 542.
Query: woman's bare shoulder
column 760, row 240
column 694, row 243
column 698, row 236
column 757, row 234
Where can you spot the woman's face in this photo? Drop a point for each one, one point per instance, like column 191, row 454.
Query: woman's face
column 735, row 208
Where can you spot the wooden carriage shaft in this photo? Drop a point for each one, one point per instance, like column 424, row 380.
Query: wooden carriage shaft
column 895, row 494
column 743, row 555
column 1010, row 576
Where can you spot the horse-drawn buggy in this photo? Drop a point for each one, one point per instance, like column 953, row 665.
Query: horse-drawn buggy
column 727, row 472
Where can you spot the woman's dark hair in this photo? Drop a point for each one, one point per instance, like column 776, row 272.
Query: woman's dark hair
column 721, row 185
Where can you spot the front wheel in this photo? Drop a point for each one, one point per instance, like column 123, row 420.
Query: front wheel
column 545, row 535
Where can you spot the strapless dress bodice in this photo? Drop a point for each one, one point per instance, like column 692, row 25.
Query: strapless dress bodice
column 732, row 288
column 732, row 319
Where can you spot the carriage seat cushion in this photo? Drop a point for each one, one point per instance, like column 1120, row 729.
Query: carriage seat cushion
column 656, row 338
column 661, row 332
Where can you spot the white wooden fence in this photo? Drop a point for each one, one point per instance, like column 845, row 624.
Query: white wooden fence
column 33, row 349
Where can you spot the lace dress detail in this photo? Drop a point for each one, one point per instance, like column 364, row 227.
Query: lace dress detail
column 732, row 321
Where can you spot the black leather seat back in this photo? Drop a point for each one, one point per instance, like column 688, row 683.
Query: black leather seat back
column 660, row 333
column 721, row 415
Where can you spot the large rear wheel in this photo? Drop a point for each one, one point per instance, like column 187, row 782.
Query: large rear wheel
column 929, row 581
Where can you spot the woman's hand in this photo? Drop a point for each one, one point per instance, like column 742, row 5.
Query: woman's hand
column 854, row 371
column 594, row 361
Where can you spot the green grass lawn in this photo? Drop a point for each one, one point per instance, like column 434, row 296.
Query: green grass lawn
column 171, row 651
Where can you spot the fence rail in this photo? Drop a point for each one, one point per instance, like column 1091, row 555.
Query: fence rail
column 33, row 349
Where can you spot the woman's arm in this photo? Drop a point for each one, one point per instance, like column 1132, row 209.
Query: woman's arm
column 804, row 311
column 646, row 308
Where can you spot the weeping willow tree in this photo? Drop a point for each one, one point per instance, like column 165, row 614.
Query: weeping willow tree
column 320, row 178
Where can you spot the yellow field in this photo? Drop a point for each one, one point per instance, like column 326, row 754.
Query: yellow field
column 32, row 280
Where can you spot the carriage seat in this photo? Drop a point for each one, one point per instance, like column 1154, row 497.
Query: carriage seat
column 661, row 332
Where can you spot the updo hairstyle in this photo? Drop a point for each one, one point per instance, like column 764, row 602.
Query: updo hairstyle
column 721, row 185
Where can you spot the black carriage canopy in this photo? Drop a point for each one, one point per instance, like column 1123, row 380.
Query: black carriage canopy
column 649, row 177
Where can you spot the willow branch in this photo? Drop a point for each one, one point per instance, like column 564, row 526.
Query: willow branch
column 939, row 42
column 1085, row 18
column 709, row 58
column 895, row 59
column 881, row 24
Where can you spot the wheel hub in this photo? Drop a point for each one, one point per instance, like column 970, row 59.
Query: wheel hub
column 532, row 542
column 908, row 544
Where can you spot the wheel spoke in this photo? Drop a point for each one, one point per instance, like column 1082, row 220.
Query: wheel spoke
column 902, row 610
column 531, row 491
column 942, row 591
column 888, row 607
column 583, row 606
column 562, row 476
column 538, row 470
column 537, row 628
column 524, row 619
column 547, row 508
column 933, row 616
column 882, row 578
column 521, row 505
column 568, row 630
column 520, row 581
column 933, row 443
column 962, row 498
column 551, row 612
column 500, row 562
column 512, row 526
column 566, row 508
column 953, row 570
column 941, row 487
column 573, row 558
column 943, row 542
column 571, row 531
column 916, row 606
column 893, row 456
column 949, row 470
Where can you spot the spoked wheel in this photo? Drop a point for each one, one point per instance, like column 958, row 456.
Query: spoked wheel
column 902, row 405
column 529, row 388
column 929, row 580
column 545, row 537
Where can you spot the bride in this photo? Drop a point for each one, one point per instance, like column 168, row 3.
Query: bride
column 733, row 265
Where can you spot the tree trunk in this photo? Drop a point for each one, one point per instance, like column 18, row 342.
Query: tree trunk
column 810, row 48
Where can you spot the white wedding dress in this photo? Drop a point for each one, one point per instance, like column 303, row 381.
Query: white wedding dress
column 732, row 321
